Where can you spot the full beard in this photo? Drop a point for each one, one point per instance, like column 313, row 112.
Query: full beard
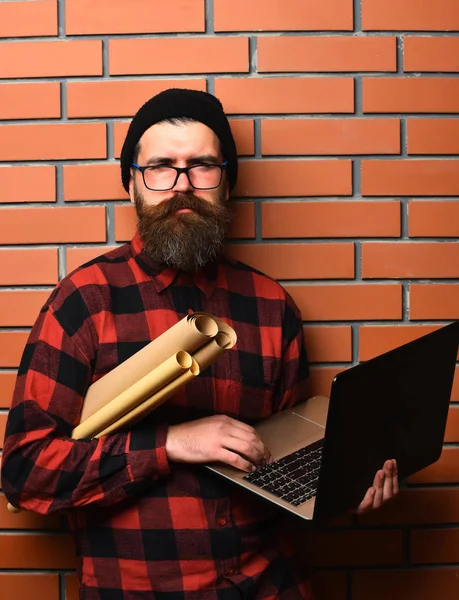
column 185, row 241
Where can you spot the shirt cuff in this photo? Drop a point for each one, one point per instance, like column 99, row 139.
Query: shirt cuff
column 147, row 456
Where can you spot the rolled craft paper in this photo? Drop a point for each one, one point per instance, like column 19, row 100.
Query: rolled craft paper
column 150, row 404
column 189, row 334
column 145, row 387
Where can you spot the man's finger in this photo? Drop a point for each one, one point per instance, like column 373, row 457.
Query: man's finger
column 245, row 448
column 395, row 478
column 367, row 502
column 379, row 489
column 388, row 491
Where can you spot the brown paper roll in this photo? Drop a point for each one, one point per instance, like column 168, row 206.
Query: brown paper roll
column 153, row 402
column 188, row 334
column 209, row 353
column 148, row 385
column 222, row 328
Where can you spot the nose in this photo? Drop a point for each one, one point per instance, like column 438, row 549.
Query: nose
column 183, row 183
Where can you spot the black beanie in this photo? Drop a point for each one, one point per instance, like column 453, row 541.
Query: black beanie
column 176, row 103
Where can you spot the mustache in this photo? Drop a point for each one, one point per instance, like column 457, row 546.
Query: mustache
column 178, row 202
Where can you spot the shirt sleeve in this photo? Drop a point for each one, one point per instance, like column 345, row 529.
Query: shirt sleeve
column 291, row 387
column 43, row 469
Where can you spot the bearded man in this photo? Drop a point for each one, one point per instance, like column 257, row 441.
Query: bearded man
column 148, row 521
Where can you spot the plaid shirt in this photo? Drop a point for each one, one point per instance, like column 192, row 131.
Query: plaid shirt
column 145, row 528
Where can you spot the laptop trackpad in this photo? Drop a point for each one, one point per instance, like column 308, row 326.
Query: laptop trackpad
column 286, row 432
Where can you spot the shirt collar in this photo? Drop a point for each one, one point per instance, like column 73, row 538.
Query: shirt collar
column 162, row 276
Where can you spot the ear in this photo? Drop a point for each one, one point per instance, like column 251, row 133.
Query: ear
column 131, row 187
column 227, row 190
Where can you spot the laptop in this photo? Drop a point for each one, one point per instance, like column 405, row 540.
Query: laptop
column 327, row 452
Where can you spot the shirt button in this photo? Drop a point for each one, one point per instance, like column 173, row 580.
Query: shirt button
column 222, row 522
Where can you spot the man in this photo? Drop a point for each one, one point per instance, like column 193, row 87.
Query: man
column 148, row 521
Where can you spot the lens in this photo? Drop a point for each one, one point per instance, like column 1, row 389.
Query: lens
column 159, row 178
column 204, row 176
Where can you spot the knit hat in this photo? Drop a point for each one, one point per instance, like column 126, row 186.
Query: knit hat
column 173, row 103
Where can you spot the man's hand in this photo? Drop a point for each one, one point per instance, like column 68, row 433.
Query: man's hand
column 385, row 487
column 217, row 439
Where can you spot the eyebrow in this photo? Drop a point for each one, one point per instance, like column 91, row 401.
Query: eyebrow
column 203, row 158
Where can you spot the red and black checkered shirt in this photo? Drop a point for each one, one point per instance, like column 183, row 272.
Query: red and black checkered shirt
column 144, row 528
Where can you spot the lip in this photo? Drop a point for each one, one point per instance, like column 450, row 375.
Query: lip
column 183, row 211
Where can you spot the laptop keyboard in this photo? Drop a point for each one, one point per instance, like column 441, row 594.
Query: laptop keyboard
column 293, row 478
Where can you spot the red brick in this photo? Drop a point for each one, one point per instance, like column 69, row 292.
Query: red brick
column 3, row 418
column 431, row 54
column 21, row 308
column 320, row 381
column 434, row 546
column 37, row 184
column 286, row 95
column 330, row 219
column 416, row 584
column 445, row 470
column 23, row 19
column 27, row 585
column 455, row 394
column 56, row 141
column 30, row 100
column 178, row 55
column 242, row 129
column 125, row 222
column 107, row 16
column 434, row 301
column 410, row 95
column 71, row 587
column 7, row 382
column 353, row 302
column 437, row 218
column 26, row 520
column 326, row 53
column 12, row 345
column 417, row 507
column 329, row 584
column 37, row 552
column 52, row 225
column 57, row 58
column 433, row 136
column 377, row 339
column 243, row 225
column 409, row 260
column 243, row 132
column 410, row 15
column 328, row 344
column 101, row 181
column 353, row 547
column 330, row 136
column 75, row 257
column 268, row 178
column 298, row 261
column 118, row 98
column 452, row 425
column 28, row 266
column 410, row 177
column 283, row 15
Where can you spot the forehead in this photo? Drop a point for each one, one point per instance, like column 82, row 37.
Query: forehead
column 179, row 141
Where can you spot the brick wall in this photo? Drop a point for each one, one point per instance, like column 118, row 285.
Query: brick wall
column 345, row 114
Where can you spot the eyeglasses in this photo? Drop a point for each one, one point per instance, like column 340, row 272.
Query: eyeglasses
column 203, row 176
